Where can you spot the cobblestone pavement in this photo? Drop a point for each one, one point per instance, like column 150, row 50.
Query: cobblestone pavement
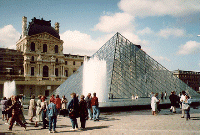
column 121, row 123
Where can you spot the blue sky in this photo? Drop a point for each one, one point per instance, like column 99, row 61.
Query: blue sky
column 167, row 30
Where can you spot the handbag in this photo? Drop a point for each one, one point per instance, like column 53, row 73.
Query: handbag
column 72, row 113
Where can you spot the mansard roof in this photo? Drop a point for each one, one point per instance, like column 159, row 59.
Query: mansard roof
column 39, row 26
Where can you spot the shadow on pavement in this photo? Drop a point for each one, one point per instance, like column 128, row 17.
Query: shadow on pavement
column 96, row 127
column 195, row 118
column 86, row 129
column 7, row 133
column 108, row 119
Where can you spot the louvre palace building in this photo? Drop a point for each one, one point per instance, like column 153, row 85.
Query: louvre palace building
column 38, row 64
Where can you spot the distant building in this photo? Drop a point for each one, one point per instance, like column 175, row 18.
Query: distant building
column 38, row 64
column 191, row 78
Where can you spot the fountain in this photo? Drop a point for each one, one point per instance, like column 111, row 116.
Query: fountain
column 9, row 89
column 94, row 78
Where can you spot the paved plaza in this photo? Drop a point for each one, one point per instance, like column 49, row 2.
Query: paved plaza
column 121, row 123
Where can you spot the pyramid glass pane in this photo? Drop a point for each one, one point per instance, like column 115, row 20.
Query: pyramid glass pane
column 129, row 71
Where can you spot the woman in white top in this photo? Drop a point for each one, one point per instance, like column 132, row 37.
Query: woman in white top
column 38, row 111
column 32, row 107
column 63, row 105
column 154, row 102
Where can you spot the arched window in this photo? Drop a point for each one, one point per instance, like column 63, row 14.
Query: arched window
column 45, row 71
column 56, row 48
column 44, row 47
column 32, row 46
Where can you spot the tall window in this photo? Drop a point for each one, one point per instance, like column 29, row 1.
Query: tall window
column 32, row 58
column 32, row 71
column 56, row 48
column 44, row 47
column 45, row 71
column 66, row 73
column 32, row 46
column 56, row 71
column 74, row 62
column 65, row 62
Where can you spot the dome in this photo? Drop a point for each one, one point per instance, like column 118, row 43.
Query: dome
column 39, row 26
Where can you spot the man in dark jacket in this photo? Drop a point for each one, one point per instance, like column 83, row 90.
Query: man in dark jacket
column 16, row 110
column 89, row 108
column 95, row 107
column 173, row 98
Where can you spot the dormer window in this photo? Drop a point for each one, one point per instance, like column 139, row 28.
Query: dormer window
column 44, row 47
column 32, row 46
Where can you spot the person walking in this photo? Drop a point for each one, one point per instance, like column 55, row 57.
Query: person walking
column 4, row 102
column 154, row 103
column 181, row 100
column 32, row 108
column 162, row 96
column 83, row 111
column 22, row 109
column 9, row 103
column 58, row 104
column 52, row 114
column 173, row 99
column 63, row 105
column 43, row 112
column 165, row 95
column 73, row 109
column 38, row 111
column 95, row 107
column 186, row 106
column 16, row 110
column 89, row 107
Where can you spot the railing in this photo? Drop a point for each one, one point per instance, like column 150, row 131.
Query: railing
column 45, row 78
column 12, row 77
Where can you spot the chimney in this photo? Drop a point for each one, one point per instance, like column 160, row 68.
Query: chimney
column 24, row 26
column 57, row 27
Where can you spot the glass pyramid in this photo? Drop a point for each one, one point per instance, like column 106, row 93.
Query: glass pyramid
column 129, row 71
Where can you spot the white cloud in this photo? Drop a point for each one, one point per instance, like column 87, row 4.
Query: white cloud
column 171, row 32
column 160, row 58
column 191, row 47
column 146, row 30
column 115, row 23
column 8, row 37
column 144, row 8
column 76, row 42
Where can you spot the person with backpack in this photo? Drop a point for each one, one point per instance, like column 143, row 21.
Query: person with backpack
column 52, row 114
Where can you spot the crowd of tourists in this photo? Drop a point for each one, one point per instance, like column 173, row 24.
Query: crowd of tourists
column 47, row 112
column 182, row 100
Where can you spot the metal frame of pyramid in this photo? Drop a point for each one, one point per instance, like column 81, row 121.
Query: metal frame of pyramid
column 129, row 71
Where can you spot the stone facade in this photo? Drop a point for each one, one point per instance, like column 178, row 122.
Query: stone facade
column 191, row 78
column 44, row 66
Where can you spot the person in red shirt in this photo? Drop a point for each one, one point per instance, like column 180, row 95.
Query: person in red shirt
column 95, row 107
column 58, row 104
column 52, row 99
